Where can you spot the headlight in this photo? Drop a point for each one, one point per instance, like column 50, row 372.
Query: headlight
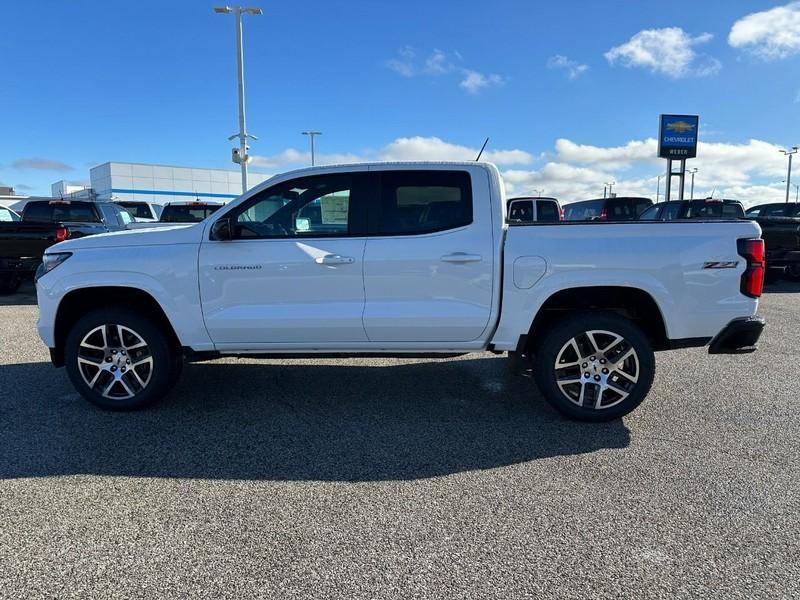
column 50, row 262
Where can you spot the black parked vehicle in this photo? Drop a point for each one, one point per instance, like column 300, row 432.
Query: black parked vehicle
column 707, row 209
column 774, row 209
column 780, row 230
column 607, row 209
column 47, row 222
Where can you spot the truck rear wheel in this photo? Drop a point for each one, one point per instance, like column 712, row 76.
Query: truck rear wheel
column 120, row 360
column 594, row 366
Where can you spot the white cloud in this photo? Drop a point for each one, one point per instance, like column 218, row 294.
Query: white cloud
column 403, row 63
column 440, row 63
column 572, row 68
column 611, row 157
column 769, row 34
column 292, row 157
column 668, row 51
column 405, row 148
column 474, row 81
column 434, row 148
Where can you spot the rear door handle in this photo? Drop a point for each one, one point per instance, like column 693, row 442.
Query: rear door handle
column 334, row 259
column 461, row 257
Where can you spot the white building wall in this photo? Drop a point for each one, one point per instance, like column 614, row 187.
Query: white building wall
column 164, row 183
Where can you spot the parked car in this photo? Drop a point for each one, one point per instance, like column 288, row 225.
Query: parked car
column 7, row 215
column 400, row 259
column 694, row 209
column 529, row 209
column 607, row 209
column 142, row 212
column 780, row 230
column 82, row 217
column 44, row 223
column 188, row 212
column 775, row 209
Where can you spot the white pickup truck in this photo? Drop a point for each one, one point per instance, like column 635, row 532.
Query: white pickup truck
column 399, row 259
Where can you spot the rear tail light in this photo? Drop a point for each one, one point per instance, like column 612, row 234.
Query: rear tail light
column 62, row 233
column 560, row 214
column 753, row 276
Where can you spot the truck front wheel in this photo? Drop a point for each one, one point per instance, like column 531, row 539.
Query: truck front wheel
column 594, row 366
column 119, row 359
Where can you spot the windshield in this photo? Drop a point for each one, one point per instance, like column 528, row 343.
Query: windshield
column 180, row 213
column 584, row 211
column 715, row 210
column 139, row 210
column 75, row 212
column 8, row 215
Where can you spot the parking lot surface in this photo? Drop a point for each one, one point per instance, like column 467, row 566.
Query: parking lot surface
column 371, row 478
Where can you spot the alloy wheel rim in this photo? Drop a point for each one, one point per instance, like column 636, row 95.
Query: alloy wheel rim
column 115, row 361
column 597, row 369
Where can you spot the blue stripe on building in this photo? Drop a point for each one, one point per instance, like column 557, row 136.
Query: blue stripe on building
column 171, row 193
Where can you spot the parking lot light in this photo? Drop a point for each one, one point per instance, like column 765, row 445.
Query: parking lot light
column 242, row 156
column 789, row 153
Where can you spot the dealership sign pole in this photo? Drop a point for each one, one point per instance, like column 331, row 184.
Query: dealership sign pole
column 677, row 140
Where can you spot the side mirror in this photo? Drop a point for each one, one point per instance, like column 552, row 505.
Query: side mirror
column 222, row 230
column 520, row 211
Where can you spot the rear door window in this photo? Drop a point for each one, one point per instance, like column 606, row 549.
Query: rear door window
column 521, row 211
column 547, row 211
column 417, row 202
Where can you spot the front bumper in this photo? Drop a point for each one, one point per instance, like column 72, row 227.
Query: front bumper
column 740, row 336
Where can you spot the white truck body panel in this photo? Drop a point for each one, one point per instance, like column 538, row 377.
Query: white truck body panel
column 451, row 291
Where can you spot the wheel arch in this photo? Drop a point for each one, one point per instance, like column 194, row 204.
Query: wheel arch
column 630, row 302
column 78, row 302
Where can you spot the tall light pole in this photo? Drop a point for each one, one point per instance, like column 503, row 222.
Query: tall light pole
column 796, row 191
column 539, row 193
column 691, row 189
column 789, row 153
column 241, row 157
column 658, row 186
column 610, row 185
column 311, row 135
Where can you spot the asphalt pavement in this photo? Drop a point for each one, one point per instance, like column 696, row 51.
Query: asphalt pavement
column 373, row 478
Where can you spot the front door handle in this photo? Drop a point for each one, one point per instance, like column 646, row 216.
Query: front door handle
column 461, row 257
column 334, row 259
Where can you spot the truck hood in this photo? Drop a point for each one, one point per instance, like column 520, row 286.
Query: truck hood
column 190, row 233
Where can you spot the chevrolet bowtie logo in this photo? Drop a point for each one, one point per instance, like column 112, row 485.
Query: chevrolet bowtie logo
column 680, row 126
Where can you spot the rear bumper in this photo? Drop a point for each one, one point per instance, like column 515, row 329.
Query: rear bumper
column 739, row 336
column 19, row 265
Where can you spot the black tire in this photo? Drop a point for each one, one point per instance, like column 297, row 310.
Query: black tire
column 793, row 272
column 613, row 404
column 159, row 375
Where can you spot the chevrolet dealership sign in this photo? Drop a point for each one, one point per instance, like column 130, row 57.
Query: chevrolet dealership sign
column 677, row 136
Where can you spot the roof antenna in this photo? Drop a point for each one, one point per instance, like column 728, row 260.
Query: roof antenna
column 486, row 141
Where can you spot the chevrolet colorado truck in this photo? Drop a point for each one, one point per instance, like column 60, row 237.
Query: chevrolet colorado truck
column 399, row 259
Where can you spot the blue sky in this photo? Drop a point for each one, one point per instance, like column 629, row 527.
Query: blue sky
column 568, row 91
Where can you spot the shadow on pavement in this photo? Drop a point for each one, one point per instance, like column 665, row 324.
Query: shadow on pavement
column 293, row 421
column 782, row 286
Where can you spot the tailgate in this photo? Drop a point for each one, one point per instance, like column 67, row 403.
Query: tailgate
column 22, row 240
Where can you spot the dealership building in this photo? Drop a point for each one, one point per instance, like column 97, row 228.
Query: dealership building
column 164, row 183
